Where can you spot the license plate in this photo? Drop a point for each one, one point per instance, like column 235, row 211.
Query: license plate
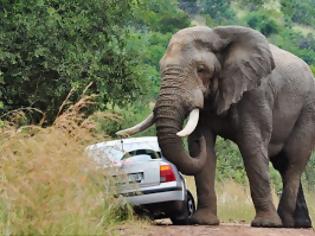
column 135, row 177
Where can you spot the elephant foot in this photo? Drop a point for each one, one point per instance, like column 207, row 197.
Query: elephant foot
column 288, row 221
column 303, row 223
column 271, row 220
column 204, row 216
column 291, row 222
column 301, row 216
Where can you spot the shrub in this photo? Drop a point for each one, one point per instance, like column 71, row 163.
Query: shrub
column 218, row 10
column 302, row 12
column 48, row 47
column 229, row 163
column 262, row 22
column 252, row 5
column 160, row 16
column 307, row 42
column 290, row 41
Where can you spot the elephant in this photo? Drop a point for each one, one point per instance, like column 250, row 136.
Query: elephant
column 229, row 81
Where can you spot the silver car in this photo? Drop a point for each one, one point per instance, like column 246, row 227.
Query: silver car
column 154, row 185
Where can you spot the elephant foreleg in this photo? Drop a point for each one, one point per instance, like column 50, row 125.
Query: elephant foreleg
column 301, row 214
column 207, row 203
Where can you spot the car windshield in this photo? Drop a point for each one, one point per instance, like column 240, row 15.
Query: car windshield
column 142, row 155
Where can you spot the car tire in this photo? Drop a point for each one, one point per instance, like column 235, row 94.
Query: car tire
column 182, row 217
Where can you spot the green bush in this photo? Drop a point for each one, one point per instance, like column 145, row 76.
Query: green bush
column 290, row 41
column 229, row 163
column 307, row 42
column 48, row 47
column 218, row 10
column 152, row 46
column 124, row 117
column 262, row 22
column 251, row 4
column 161, row 16
column 302, row 12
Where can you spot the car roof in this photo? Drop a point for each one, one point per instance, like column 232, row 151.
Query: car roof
column 117, row 148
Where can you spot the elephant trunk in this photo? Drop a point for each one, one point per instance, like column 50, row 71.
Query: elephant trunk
column 170, row 112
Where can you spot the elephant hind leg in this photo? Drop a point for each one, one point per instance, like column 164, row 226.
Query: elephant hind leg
column 301, row 214
column 291, row 163
column 300, row 217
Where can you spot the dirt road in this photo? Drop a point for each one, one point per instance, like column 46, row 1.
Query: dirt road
column 165, row 229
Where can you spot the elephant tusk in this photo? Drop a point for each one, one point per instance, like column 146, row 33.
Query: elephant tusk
column 149, row 121
column 191, row 123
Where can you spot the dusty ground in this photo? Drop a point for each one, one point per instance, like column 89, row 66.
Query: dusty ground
column 163, row 228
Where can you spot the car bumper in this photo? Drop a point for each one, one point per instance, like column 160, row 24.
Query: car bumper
column 155, row 195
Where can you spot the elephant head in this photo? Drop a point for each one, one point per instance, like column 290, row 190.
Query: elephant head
column 200, row 66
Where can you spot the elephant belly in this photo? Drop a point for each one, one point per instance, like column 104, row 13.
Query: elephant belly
column 283, row 123
column 286, row 112
column 282, row 127
column 274, row 149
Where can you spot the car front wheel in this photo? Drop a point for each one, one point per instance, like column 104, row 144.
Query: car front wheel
column 188, row 209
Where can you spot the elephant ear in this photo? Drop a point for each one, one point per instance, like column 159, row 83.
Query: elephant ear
column 246, row 59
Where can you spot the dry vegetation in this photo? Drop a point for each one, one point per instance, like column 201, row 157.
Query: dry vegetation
column 49, row 186
column 235, row 204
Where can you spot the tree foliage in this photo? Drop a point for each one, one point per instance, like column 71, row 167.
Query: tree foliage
column 49, row 47
column 218, row 10
column 302, row 12
column 262, row 22
column 252, row 5
column 160, row 16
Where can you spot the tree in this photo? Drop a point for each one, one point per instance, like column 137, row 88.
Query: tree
column 252, row 5
column 218, row 10
column 161, row 16
column 190, row 6
column 302, row 12
column 261, row 21
column 48, row 47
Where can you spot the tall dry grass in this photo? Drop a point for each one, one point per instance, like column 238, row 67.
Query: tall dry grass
column 310, row 199
column 233, row 201
column 47, row 184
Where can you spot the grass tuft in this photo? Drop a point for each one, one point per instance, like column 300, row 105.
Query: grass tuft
column 47, row 184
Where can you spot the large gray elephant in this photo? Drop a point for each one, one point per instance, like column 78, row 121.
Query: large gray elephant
column 231, row 82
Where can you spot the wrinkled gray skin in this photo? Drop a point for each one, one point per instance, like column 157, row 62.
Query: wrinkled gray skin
column 248, row 91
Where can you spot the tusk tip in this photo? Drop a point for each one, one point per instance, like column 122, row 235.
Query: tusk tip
column 149, row 121
column 191, row 123
column 181, row 134
column 122, row 133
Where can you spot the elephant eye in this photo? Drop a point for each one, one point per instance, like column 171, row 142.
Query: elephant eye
column 201, row 69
